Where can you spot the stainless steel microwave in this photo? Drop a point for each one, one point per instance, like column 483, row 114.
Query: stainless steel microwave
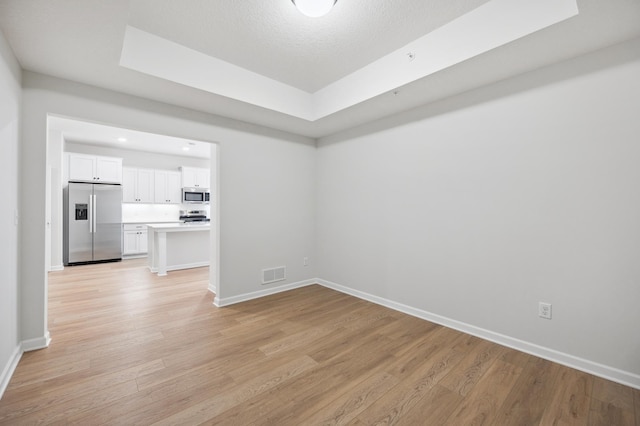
column 195, row 196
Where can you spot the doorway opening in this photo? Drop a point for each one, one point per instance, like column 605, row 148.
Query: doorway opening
column 141, row 153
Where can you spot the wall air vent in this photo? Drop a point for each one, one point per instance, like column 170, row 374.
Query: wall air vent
column 274, row 274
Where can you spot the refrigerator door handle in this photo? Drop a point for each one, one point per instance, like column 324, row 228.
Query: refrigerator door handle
column 95, row 209
column 90, row 214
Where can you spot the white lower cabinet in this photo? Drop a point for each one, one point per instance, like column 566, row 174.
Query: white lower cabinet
column 134, row 239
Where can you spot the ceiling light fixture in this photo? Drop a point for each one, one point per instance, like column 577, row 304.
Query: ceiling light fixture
column 314, row 8
column 122, row 139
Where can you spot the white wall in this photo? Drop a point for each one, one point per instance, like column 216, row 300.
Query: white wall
column 55, row 163
column 477, row 208
column 266, row 185
column 10, row 95
column 267, row 213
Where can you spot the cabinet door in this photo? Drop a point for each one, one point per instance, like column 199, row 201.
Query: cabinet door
column 202, row 178
column 188, row 177
column 193, row 177
column 142, row 242
column 173, row 190
column 129, row 191
column 145, row 188
column 130, row 242
column 167, row 187
column 81, row 167
column 108, row 170
column 160, row 185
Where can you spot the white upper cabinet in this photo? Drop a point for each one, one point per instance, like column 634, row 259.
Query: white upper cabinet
column 109, row 169
column 129, row 184
column 92, row 168
column 137, row 185
column 82, row 167
column 167, row 187
column 194, row 177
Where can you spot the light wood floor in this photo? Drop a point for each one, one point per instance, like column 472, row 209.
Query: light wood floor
column 132, row 348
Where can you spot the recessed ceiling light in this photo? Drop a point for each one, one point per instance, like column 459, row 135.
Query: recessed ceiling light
column 185, row 148
column 122, row 139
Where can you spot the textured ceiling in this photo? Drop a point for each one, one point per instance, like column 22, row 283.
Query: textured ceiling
column 82, row 40
column 280, row 43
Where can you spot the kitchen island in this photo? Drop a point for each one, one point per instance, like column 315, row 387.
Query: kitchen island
column 175, row 246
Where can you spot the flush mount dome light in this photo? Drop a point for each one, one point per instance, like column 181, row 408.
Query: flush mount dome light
column 314, row 8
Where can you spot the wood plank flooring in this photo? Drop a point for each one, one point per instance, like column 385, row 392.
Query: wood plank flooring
column 132, row 348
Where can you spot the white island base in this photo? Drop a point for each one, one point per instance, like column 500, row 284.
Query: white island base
column 177, row 246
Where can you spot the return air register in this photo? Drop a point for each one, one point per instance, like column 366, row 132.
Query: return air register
column 274, row 274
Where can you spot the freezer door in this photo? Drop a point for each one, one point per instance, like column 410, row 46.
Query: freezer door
column 107, row 237
column 80, row 222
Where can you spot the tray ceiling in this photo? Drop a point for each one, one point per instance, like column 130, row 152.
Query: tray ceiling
column 83, row 41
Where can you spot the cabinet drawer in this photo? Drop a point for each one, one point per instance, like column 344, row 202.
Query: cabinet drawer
column 134, row 227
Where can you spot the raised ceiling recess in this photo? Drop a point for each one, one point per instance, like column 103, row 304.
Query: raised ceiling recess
column 491, row 25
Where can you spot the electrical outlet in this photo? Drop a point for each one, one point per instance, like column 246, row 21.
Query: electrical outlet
column 305, row 261
column 544, row 310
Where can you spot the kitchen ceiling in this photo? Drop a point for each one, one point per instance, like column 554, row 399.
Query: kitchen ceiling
column 272, row 42
column 96, row 134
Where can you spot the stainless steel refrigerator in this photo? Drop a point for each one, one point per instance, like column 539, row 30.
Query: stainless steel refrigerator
column 93, row 223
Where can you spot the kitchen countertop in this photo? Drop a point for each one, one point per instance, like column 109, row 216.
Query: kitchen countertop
column 176, row 227
column 146, row 222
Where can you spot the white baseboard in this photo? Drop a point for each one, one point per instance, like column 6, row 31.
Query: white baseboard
column 9, row 368
column 37, row 343
column 25, row 346
column 600, row 370
column 56, row 268
column 220, row 302
column 212, row 288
